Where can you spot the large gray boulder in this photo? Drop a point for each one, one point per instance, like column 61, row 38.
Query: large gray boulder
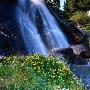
column 76, row 54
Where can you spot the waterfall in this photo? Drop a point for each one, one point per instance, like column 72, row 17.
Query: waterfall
column 51, row 26
column 30, row 35
column 30, row 32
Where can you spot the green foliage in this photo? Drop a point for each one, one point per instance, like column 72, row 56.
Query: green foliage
column 76, row 10
column 80, row 17
column 72, row 5
column 69, row 6
column 83, row 4
column 36, row 72
column 88, row 28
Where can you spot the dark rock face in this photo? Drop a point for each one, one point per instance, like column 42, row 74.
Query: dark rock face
column 10, row 36
column 76, row 54
column 75, row 35
column 8, row 1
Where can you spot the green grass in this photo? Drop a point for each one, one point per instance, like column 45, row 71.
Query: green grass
column 36, row 72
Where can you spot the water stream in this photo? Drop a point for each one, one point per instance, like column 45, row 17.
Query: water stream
column 30, row 32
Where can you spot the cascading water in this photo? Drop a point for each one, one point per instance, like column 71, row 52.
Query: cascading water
column 51, row 26
column 31, row 36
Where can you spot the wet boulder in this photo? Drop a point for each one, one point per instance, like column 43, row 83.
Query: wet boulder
column 81, row 50
column 76, row 54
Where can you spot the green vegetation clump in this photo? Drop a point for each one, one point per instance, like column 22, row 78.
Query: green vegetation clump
column 74, row 5
column 76, row 10
column 36, row 72
column 80, row 17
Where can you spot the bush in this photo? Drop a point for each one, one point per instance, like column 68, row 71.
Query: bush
column 36, row 72
column 80, row 17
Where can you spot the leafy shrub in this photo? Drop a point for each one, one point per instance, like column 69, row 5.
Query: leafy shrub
column 36, row 72
column 80, row 17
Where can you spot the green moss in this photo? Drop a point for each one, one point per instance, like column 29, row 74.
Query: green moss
column 36, row 72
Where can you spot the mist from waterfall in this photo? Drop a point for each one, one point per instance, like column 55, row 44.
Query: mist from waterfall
column 30, row 32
